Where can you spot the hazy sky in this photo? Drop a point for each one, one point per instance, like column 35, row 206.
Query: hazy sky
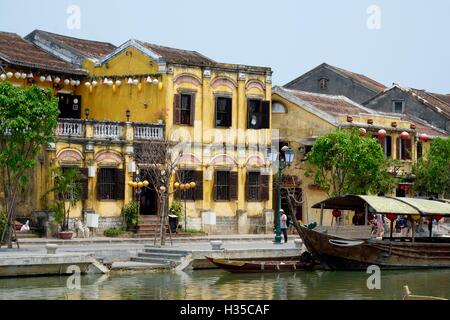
column 408, row 41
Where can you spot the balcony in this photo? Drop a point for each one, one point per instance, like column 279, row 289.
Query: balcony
column 91, row 129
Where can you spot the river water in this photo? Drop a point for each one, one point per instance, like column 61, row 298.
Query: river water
column 220, row 285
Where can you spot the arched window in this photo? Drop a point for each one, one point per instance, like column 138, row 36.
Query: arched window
column 278, row 107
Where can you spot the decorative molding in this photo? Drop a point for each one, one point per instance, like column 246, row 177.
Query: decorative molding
column 69, row 155
column 207, row 73
column 188, row 78
column 190, row 158
column 257, row 161
column 223, row 159
column 255, row 84
column 224, row 81
column 109, row 155
column 241, row 76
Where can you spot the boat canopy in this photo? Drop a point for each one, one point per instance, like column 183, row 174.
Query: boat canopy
column 385, row 205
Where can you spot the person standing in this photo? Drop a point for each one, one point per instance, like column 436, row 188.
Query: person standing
column 283, row 225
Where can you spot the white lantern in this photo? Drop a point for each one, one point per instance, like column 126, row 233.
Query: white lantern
column 77, row 83
column 57, row 80
column 73, row 82
column 149, row 79
column 9, row 75
column 135, row 82
column 42, row 78
column 118, row 83
column 110, row 83
column 94, row 83
column 17, row 75
column 105, row 81
column 30, row 75
column 130, row 81
column 23, row 75
column 87, row 84
column 49, row 78
column 155, row 81
column 66, row 82
column 3, row 77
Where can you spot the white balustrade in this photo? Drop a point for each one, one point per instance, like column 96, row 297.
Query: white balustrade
column 108, row 130
column 70, row 128
column 148, row 132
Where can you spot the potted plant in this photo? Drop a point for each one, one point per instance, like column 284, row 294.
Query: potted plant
column 67, row 192
column 131, row 214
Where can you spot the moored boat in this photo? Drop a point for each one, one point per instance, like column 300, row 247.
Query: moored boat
column 237, row 266
column 388, row 253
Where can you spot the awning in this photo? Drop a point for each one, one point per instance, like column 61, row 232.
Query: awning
column 385, row 205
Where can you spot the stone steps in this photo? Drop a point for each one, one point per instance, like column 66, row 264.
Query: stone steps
column 160, row 256
column 26, row 235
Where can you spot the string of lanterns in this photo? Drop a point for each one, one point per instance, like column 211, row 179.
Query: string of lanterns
column 43, row 78
column 115, row 82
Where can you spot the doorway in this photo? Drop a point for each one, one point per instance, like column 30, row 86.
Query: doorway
column 69, row 106
column 149, row 202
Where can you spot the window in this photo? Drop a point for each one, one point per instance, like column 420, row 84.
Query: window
column 110, row 184
column 278, row 107
column 223, row 112
column 323, row 84
column 404, row 149
column 69, row 106
column 419, row 150
column 258, row 114
column 386, row 144
column 257, row 186
column 82, row 183
column 187, row 176
column 397, row 106
column 184, row 109
column 225, row 186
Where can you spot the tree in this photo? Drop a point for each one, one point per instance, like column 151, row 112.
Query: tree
column 27, row 120
column 344, row 162
column 67, row 192
column 432, row 174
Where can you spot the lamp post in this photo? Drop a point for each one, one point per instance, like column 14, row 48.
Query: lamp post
column 283, row 162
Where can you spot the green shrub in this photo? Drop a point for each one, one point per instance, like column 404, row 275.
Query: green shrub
column 3, row 222
column 176, row 208
column 131, row 214
column 114, row 232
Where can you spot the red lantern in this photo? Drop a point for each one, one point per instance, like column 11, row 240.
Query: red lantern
column 336, row 213
column 381, row 133
column 423, row 137
column 362, row 132
column 404, row 135
column 391, row 216
column 438, row 217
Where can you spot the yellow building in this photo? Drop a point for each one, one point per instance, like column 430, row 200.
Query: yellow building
column 301, row 117
column 119, row 97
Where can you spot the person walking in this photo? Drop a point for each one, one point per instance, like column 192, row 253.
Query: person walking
column 283, row 225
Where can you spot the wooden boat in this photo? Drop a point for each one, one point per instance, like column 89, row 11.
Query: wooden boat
column 237, row 266
column 338, row 253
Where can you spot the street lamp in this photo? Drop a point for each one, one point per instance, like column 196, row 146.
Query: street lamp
column 283, row 162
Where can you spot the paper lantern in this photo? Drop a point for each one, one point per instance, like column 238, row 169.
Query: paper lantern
column 139, row 87
column 140, row 184
column 9, row 75
column 66, row 82
column 49, row 78
column 362, row 132
column 130, row 183
column 3, row 77
column 57, row 80
column 423, row 137
column 118, row 83
column 87, row 84
column 145, row 183
column 162, row 188
column 130, row 81
column 94, row 83
column 336, row 213
column 381, row 133
column 404, row 135
column 176, row 185
column 73, row 82
column 391, row 216
column 149, row 79
column 114, row 88
column 160, row 86
column 193, row 185
column 17, row 75
column 42, row 78
column 110, row 83
column 30, row 75
column 23, row 75
column 155, row 81
column 105, row 81
column 182, row 186
column 91, row 88
column 135, row 82
column 135, row 184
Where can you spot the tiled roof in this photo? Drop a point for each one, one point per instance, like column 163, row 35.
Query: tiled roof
column 87, row 48
column 423, row 127
column 443, row 97
column 366, row 81
column 178, row 55
column 431, row 99
column 19, row 52
column 330, row 104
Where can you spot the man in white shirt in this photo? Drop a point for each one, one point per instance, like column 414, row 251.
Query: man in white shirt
column 283, row 225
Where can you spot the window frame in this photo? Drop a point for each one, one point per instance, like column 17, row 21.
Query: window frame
column 229, row 112
column 262, row 119
column 254, row 187
column 323, row 84
column 394, row 102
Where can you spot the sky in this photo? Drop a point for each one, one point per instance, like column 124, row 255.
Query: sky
column 391, row 41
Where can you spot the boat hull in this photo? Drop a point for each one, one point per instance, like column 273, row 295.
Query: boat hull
column 344, row 254
column 259, row 266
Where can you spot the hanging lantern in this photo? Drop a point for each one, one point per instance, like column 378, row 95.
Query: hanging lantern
column 17, row 75
column 404, row 135
column 105, row 81
column 57, row 80
column 49, row 78
column 381, row 133
column 94, row 83
column 130, row 183
column 139, row 87
column 42, row 78
column 130, row 81
column 336, row 213
column 23, row 75
column 3, row 77
column 140, row 184
column 66, row 82
column 362, row 132
column 118, row 83
column 77, row 83
column 162, row 188
column 193, row 185
column 114, row 88
column 391, row 216
column 155, row 81
column 135, row 82
column 73, row 82
column 87, row 84
column 110, row 83
column 9, row 75
column 149, row 79
column 145, row 183
column 160, row 86
column 91, row 88
column 30, row 75
column 176, row 185
column 423, row 137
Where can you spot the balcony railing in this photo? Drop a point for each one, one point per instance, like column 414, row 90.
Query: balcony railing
column 70, row 127
column 148, row 132
column 108, row 130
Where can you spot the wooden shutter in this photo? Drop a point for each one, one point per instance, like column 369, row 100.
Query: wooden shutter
column 264, row 186
column 198, row 191
column 249, row 118
column 265, row 114
column 247, row 187
column 84, row 182
column 399, row 145
column 216, row 103
column 98, row 187
column 234, row 186
column 408, row 149
column 192, row 116
column 215, row 186
column 119, row 176
column 177, row 108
